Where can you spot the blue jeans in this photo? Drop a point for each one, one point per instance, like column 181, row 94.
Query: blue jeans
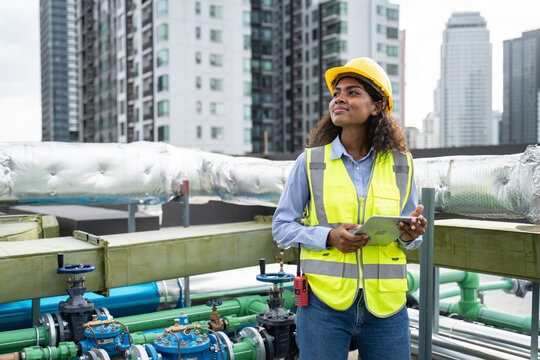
column 324, row 333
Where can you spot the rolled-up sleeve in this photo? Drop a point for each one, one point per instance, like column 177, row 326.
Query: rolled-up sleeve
column 410, row 206
column 285, row 227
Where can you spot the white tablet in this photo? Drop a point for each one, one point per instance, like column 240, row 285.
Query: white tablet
column 382, row 229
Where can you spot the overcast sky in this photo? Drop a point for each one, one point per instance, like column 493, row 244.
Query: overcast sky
column 424, row 20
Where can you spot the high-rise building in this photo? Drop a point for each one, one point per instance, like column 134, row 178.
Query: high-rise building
column 173, row 71
column 465, row 88
column 59, row 70
column 521, row 100
column 428, row 138
column 235, row 76
column 318, row 35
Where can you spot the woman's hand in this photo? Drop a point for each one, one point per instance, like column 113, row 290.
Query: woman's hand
column 342, row 239
column 417, row 226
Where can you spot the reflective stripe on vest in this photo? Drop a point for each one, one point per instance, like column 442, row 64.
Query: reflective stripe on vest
column 350, row 271
column 334, row 275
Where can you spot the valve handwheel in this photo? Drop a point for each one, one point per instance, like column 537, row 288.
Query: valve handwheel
column 72, row 269
column 75, row 269
column 213, row 303
column 275, row 278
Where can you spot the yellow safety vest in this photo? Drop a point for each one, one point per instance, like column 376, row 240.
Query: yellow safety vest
column 381, row 271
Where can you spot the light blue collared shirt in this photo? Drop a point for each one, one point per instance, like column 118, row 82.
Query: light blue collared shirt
column 288, row 232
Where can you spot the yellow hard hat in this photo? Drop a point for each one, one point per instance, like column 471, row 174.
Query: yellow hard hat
column 367, row 68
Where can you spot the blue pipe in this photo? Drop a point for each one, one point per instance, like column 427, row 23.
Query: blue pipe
column 122, row 301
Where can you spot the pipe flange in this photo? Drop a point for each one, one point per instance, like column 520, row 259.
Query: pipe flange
column 228, row 344
column 37, row 335
column 60, row 323
column 139, row 352
column 47, row 319
column 255, row 338
column 102, row 354
column 102, row 311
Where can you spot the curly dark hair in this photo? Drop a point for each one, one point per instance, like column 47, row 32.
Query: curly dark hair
column 383, row 131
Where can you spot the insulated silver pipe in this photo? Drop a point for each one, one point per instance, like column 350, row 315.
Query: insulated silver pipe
column 149, row 173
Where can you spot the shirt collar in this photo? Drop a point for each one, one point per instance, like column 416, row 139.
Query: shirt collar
column 338, row 150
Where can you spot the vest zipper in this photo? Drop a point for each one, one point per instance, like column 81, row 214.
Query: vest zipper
column 363, row 216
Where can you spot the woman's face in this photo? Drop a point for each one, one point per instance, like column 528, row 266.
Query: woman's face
column 351, row 105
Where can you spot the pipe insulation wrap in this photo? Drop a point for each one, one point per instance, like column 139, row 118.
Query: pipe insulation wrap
column 149, row 173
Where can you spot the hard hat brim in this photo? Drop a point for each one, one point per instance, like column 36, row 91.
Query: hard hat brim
column 333, row 73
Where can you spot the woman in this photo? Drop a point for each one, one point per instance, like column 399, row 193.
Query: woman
column 356, row 165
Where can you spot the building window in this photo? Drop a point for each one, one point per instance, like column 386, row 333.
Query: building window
column 381, row 47
column 391, row 32
column 162, row 7
column 198, row 107
column 217, row 132
column 381, row 29
column 267, row 65
column 216, row 84
column 163, row 133
column 336, row 46
column 163, row 108
column 247, row 18
column 247, row 136
column 395, row 88
column 217, row 108
column 216, row 11
column 247, row 112
column 392, row 69
column 391, row 50
column 392, row 14
column 162, row 57
column 380, row 10
column 216, row 60
column 198, row 33
column 121, row 107
column 198, row 82
column 247, row 42
column 247, row 65
column 247, row 89
column 198, row 57
column 216, row 36
column 162, row 32
column 163, row 83
column 199, row 132
column 198, row 7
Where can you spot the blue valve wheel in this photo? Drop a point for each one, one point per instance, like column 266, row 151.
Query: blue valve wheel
column 212, row 303
column 75, row 269
column 275, row 278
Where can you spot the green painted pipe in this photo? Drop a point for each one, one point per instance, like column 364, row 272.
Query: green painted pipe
column 65, row 351
column 15, row 340
column 240, row 306
column 505, row 284
column 12, row 341
column 244, row 350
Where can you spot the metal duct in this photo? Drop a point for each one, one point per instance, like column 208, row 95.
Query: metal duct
column 152, row 173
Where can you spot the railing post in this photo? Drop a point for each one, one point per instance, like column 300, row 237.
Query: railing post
column 426, row 277
column 131, row 218
column 534, row 319
column 185, row 197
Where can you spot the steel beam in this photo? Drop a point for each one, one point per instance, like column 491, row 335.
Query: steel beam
column 490, row 247
column 28, row 268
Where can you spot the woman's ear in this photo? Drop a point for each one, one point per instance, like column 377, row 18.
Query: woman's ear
column 378, row 107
